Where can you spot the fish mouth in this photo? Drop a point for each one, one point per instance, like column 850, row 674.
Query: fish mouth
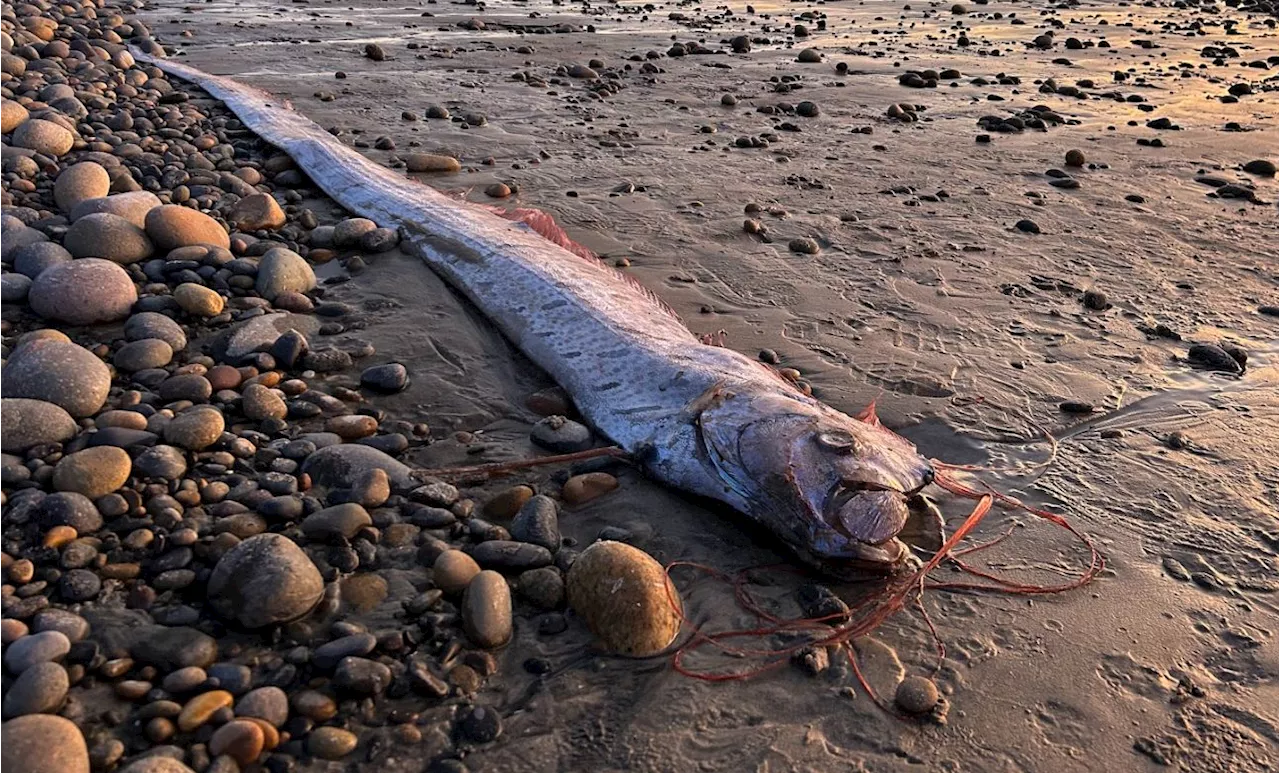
column 870, row 515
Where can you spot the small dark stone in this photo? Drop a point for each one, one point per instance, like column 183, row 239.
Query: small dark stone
column 1027, row 226
column 1211, row 357
column 1075, row 406
column 480, row 724
column 537, row 523
column 392, row 377
column 561, row 435
column 819, row 601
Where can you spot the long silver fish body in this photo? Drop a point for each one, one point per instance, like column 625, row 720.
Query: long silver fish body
column 701, row 418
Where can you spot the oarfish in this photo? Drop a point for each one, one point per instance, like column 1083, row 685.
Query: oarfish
column 704, row 419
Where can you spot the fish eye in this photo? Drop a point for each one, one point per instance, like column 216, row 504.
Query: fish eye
column 836, row 440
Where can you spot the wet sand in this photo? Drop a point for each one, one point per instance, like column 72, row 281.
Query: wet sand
column 968, row 333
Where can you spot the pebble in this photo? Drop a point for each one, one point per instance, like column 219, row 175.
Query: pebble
column 25, row 423
column 454, row 570
column 260, row 403
column 198, row 300
column 361, row 676
column 370, row 488
column 242, row 740
column 507, row 503
column 195, row 428
column 1027, row 226
column 1213, row 358
column 427, row 162
column 43, row 743
column 62, row 373
column 40, row 689
column 257, row 212
column 561, row 435
column 1261, row 167
column 265, row 580
column 916, row 695
column 132, row 206
column 266, row 703
column 337, row 465
column 314, row 705
column 44, row 137
column 625, row 598
column 201, row 709
column 144, row 354
column 94, row 472
column 169, row 648
column 33, row 259
column 45, row 647
column 103, row 235
column 510, row 555
column 352, row 427
column 342, row 520
column 157, row 764
column 83, row 292
column 804, row 246
column 537, row 523
column 331, row 743
column 185, row 680
column 79, row 182
column 390, row 378
column 280, row 271
column 11, row 115
column 543, row 587
column 171, row 226
column 480, row 724
column 581, row 489
column 486, row 610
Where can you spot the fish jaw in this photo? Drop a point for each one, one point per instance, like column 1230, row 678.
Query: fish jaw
column 836, row 489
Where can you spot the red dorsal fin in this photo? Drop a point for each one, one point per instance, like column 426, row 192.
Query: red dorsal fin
column 868, row 415
column 545, row 226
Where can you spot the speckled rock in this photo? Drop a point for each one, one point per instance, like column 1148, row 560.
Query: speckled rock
column 44, row 137
column 265, row 580
column 281, row 271
column 43, row 743
column 94, row 472
column 83, row 292
column 25, row 423
column 62, row 373
column 132, row 206
column 625, row 598
column 103, row 235
column 78, row 182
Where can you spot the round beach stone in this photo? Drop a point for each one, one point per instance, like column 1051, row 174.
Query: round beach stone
column 625, row 598
column 62, row 373
column 331, row 743
column 83, row 292
column 14, row 287
column 198, row 300
column 267, row 703
column 560, row 435
column 78, row 182
column 143, row 355
column 43, row 743
column 68, row 508
column 581, row 489
column 94, row 472
column 281, row 271
column 160, row 462
column 257, row 212
column 342, row 520
column 25, row 423
column 152, row 325
column 155, row 764
column 338, row 466
column 103, row 235
column 201, row 708
column 239, row 739
column 44, row 137
column 195, row 428
column 916, row 695
column 454, row 570
column 265, row 580
column 33, row 259
column 36, row 648
column 486, row 610
column 259, row 403
column 389, row 378
column 40, row 689
column 429, row 162
column 11, row 115
column 172, row 225
column 132, row 206
column 537, row 523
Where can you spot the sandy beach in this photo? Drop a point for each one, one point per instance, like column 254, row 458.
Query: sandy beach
column 1001, row 307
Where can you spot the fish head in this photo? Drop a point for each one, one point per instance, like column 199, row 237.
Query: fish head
column 839, row 489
